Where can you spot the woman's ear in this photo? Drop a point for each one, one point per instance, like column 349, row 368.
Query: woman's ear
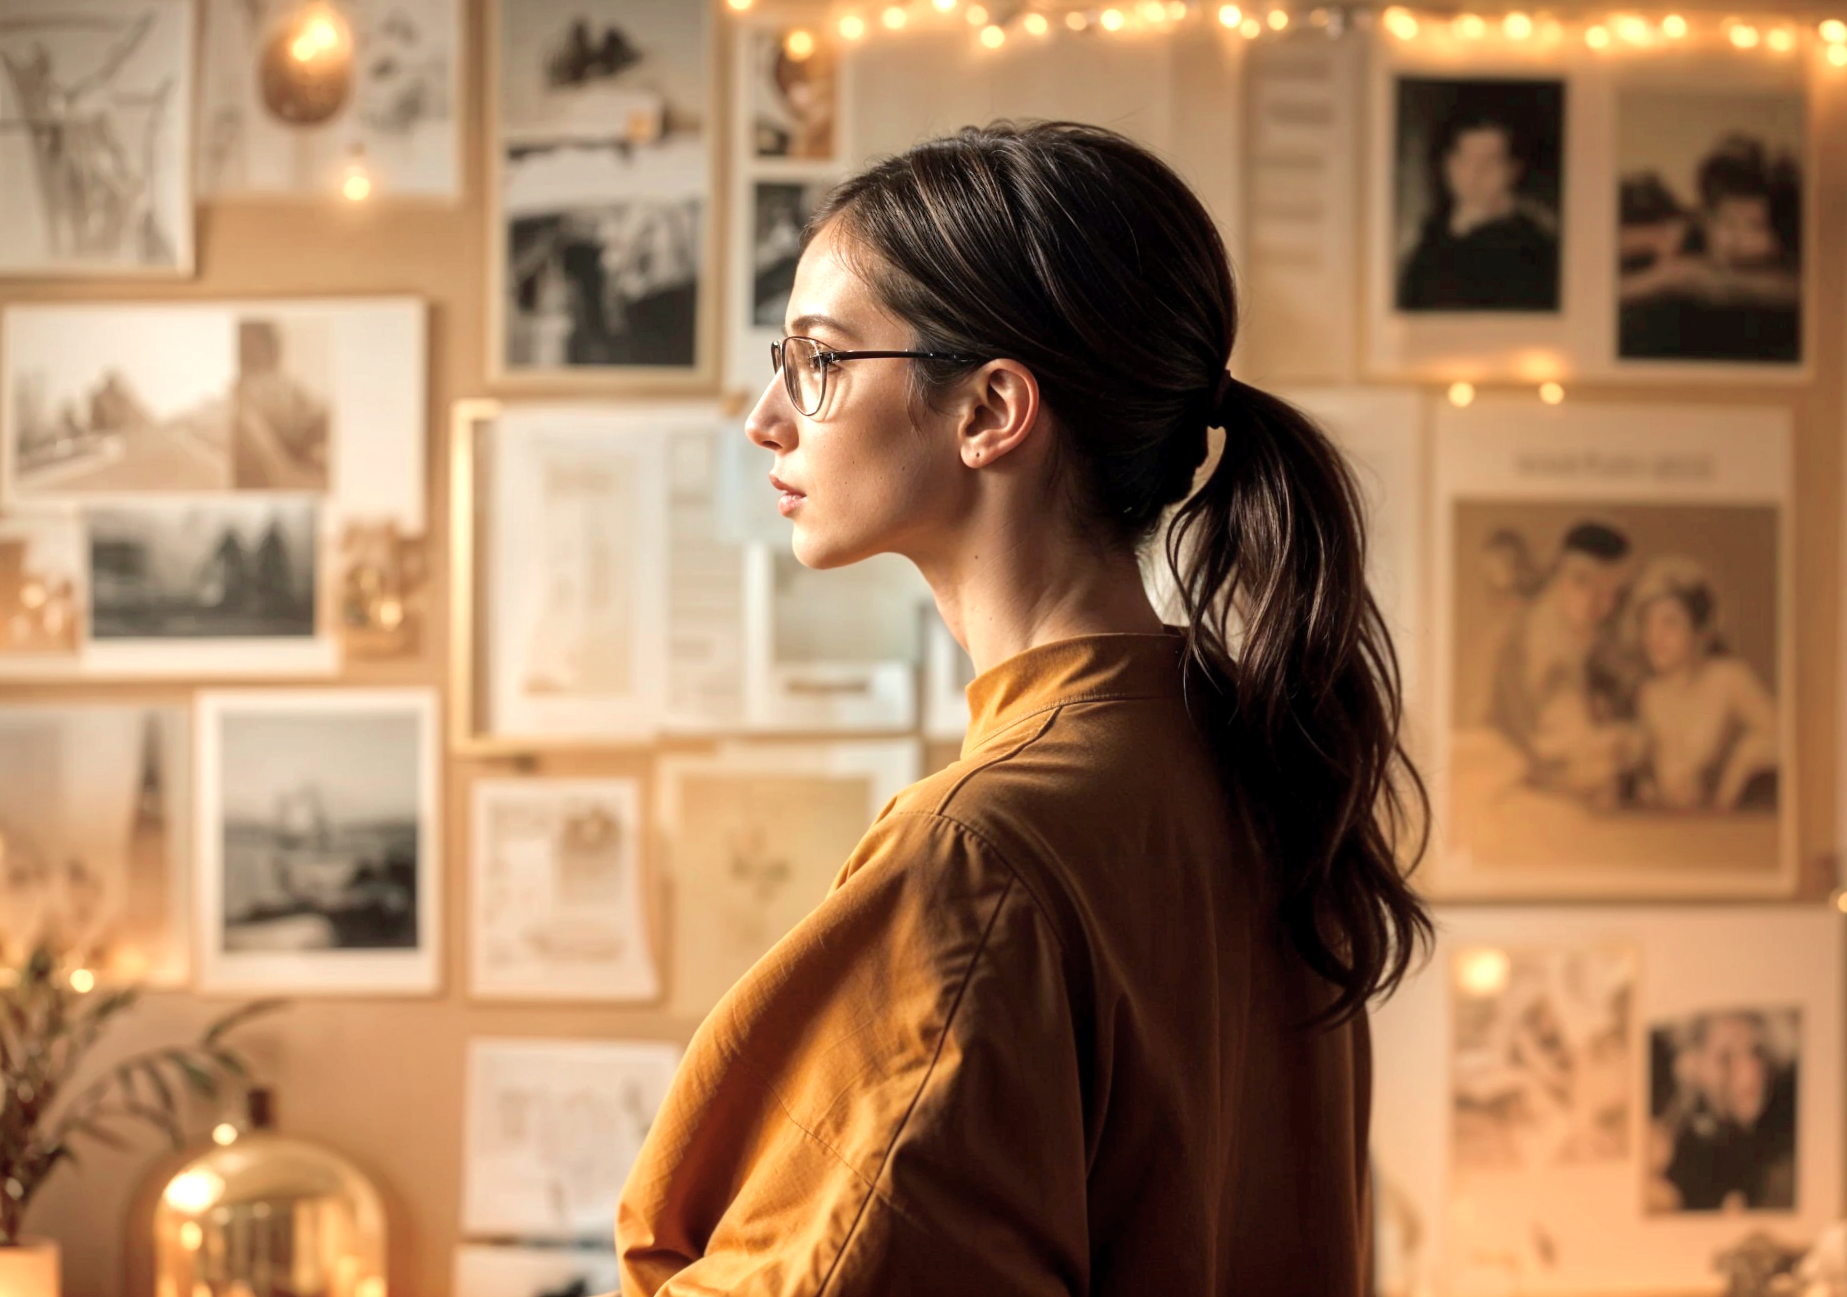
column 1000, row 410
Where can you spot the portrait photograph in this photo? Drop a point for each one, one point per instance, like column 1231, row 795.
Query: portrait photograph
column 317, row 841
column 604, row 163
column 395, row 113
column 1616, row 675
column 552, row 1129
column 96, row 116
column 231, row 569
column 95, row 835
column 1710, row 225
column 558, row 893
column 781, row 214
column 1478, row 195
column 754, row 836
column 534, row 1271
column 1723, row 1109
column 793, row 92
column 44, row 597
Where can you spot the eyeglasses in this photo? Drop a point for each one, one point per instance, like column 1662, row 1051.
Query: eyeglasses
column 804, row 362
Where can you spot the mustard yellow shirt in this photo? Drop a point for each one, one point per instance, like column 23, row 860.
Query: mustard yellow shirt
column 1041, row 1037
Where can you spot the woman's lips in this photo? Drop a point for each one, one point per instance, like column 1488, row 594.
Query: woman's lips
column 789, row 498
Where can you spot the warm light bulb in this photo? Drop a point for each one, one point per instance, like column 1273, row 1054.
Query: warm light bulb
column 370, row 1286
column 1674, row 27
column 83, row 981
column 357, row 187
column 893, row 17
column 1230, row 15
column 191, row 1236
column 1781, row 39
column 193, row 1192
column 1833, row 31
column 993, row 37
column 1551, row 393
column 1483, row 972
column 1250, row 29
column 1632, row 29
column 1837, row 55
column 1279, row 19
column 1745, row 36
column 1597, row 37
column 852, row 27
column 1077, row 20
column 799, row 44
column 1517, row 26
column 1110, row 20
column 977, row 16
column 1176, row 10
column 944, row 6
column 224, row 1133
column 1460, row 394
column 1471, row 27
column 1840, row 900
column 1036, row 24
column 1400, row 23
column 1154, row 11
column 740, row 5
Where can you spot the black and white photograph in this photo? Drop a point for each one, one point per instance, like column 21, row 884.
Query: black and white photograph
column 1542, row 1056
column 781, row 214
column 534, row 1272
column 95, row 838
column 43, row 593
column 558, row 893
column 293, row 96
column 1478, row 194
column 231, row 569
column 1616, row 656
column 605, row 186
column 168, row 399
column 1710, row 213
column 95, row 130
column 793, row 93
column 317, row 824
column 552, row 1129
column 1722, row 1107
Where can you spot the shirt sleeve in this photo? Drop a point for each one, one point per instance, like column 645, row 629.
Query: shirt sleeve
column 888, row 1103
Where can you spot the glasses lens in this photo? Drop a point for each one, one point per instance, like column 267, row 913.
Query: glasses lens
column 803, row 372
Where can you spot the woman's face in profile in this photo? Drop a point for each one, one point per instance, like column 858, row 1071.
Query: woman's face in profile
column 1739, row 233
column 871, row 470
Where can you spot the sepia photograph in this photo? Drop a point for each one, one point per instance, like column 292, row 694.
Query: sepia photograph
column 755, row 836
column 95, row 132
column 558, row 895
column 605, row 185
column 168, row 399
column 1478, row 194
column 1722, row 1133
column 95, row 837
column 44, row 600
column 782, row 212
column 552, row 1129
column 387, row 101
column 1710, row 225
column 793, row 93
column 317, row 823
column 1542, row 1057
column 534, row 1271
column 231, row 569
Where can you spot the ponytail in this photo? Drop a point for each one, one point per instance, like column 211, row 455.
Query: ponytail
column 1269, row 561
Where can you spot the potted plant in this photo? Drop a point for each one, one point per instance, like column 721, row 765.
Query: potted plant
column 51, row 1016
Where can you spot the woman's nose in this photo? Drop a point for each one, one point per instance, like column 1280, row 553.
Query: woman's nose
column 770, row 426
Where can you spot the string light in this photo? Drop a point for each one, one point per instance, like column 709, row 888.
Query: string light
column 1484, row 972
column 945, row 6
column 1110, row 20
column 1176, row 10
column 1837, row 55
column 1471, row 27
column 894, row 18
column 1230, row 16
column 993, row 37
column 1154, row 11
column 1781, row 39
column 1674, row 27
column 356, row 184
column 224, row 1132
column 83, row 981
column 1551, row 393
column 1461, row 394
column 739, row 6
column 1632, row 29
column 852, row 27
column 977, row 16
column 799, row 45
column 1036, row 23
column 1517, row 26
column 1250, row 29
column 1279, row 19
column 1077, row 20
column 1833, row 31
column 1400, row 23
column 1744, row 36
column 1597, row 37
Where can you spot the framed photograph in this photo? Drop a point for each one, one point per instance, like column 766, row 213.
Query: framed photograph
column 1615, row 677
column 251, row 478
column 590, row 628
column 553, row 1128
column 834, row 650
column 95, row 834
column 44, row 579
column 558, row 896
column 1619, row 1103
column 535, row 1271
column 754, row 835
column 318, row 822
column 267, row 134
column 791, row 91
column 1710, row 213
column 95, row 128
column 604, row 254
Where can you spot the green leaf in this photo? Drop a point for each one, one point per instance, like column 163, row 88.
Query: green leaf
column 203, row 1083
column 238, row 1017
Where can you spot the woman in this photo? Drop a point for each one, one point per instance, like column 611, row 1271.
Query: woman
column 1083, row 1013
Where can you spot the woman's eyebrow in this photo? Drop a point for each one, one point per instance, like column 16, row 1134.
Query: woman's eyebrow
column 801, row 324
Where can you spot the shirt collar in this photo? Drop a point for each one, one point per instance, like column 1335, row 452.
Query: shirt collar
column 1086, row 667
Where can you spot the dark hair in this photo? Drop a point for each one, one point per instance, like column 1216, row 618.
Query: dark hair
column 1599, row 540
column 1467, row 123
column 1742, row 167
column 1084, row 257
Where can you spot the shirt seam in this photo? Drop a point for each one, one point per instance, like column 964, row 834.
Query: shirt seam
column 936, row 1057
column 998, row 757
column 1101, row 697
column 1013, row 874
